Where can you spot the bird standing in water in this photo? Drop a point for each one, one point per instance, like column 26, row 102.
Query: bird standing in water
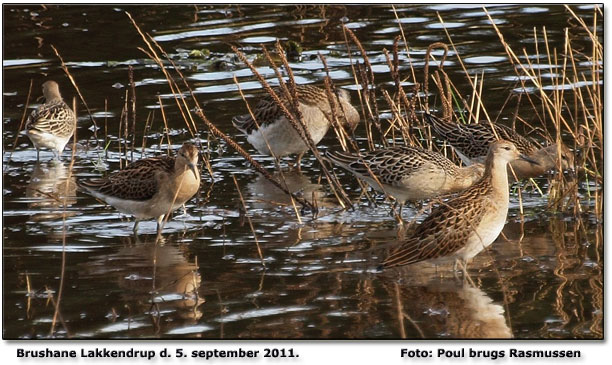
column 51, row 124
column 272, row 133
column 408, row 173
column 152, row 187
column 459, row 228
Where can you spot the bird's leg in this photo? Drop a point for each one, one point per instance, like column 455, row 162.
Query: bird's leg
column 298, row 162
column 135, row 229
column 277, row 163
column 455, row 269
column 466, row 276
column 393, row 206
column 37, row 154
column 397, row 208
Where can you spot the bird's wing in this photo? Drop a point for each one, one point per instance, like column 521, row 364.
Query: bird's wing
column 139, row 182
column 54, row 117
column 442, row 233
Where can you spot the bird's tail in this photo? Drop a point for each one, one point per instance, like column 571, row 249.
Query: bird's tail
column 342, row 159
column 441, row 127
column 243, row 123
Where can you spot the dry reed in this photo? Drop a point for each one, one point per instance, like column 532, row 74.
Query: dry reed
column 190, row 122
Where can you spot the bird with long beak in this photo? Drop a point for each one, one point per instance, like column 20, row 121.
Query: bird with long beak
column 150, row 188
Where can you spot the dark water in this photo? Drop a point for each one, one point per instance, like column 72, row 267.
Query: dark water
column 204, row 278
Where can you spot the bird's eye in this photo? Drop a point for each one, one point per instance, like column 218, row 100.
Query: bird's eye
column 507, row 148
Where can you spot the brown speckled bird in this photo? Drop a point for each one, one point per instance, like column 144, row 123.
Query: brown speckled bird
column 51, row 124
column 408, row 173
column 458, row 229
column 472, row 141
column 278, row 133
column 151, row 187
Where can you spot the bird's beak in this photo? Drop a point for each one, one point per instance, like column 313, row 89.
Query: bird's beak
column 193, row 168
column 523, row 157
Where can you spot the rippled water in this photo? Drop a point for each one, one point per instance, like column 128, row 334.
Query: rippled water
column 316, row 277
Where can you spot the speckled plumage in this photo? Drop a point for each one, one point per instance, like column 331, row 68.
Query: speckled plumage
column 279, row 133
column 151, row 187
column 51, row 124
column 472, row 141
column 409, row 173
column 464, row 225
column 137, row 181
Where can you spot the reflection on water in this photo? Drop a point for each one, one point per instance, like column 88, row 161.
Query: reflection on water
column 154, row 279
column 50, row 187
column 266, row 195
column 49, row 193
column 317, row 278
column 447, row 308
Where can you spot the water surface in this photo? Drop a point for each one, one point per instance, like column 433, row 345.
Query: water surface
column 316, row 278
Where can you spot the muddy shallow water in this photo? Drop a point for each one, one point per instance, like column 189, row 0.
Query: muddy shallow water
column 316, row 278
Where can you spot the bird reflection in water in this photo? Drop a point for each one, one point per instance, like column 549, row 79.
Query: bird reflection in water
column 51, row 190
column 155, row 278
column 267, row 195
column 446, row 308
